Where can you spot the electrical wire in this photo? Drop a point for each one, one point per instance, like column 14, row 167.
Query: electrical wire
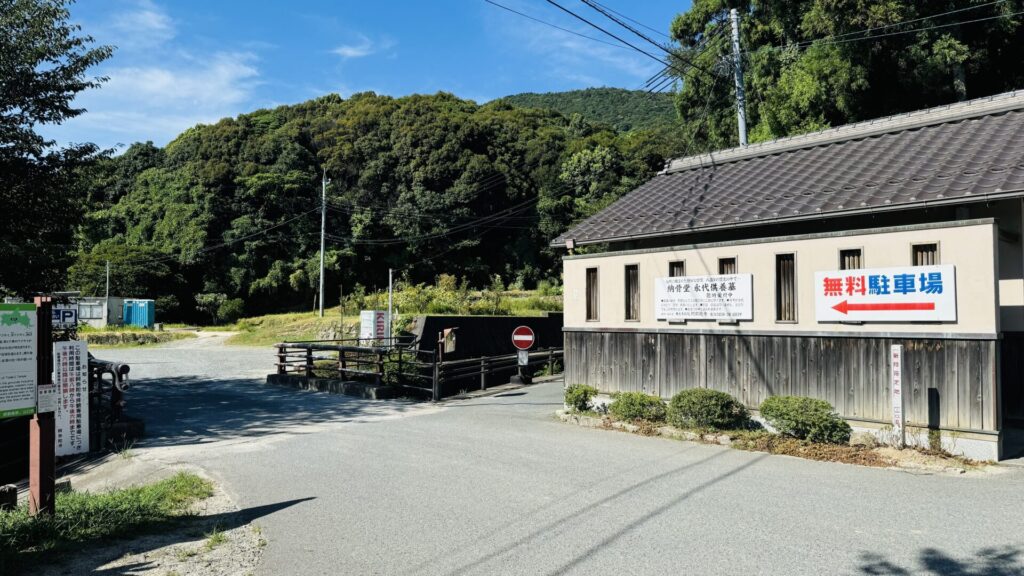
column 555, row 26
column 638, row 23
column 640, row 50
column 840, row 39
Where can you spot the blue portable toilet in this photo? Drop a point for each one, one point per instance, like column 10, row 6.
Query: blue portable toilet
column 139, row 312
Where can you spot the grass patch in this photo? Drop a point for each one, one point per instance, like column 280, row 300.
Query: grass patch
column 84, row 517
column 763, row 441
column 215, row 538
column 131, row 338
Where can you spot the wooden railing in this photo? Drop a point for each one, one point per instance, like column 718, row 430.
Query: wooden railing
column 399, row 362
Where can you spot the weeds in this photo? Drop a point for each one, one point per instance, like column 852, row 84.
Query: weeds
column 82, row 517
column 215, row 538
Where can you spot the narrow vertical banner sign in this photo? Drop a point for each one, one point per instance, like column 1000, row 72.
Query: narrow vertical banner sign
column 18, row 371
column 71, row 377
column 899, row 405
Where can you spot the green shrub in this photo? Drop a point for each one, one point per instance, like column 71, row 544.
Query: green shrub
column 231, row 310
column 637, row 406
column 805, row 418
column 704, row 408
column 578, row 396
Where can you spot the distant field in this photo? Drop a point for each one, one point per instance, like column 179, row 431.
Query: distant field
column 297, row 326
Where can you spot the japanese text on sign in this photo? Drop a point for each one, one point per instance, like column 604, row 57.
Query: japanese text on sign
column 18, row 369
column 898, row 400
column 71, row 376
column 915, row 293
column 725, row 297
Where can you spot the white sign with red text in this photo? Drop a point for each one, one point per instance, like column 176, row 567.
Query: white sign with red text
column 904, row 294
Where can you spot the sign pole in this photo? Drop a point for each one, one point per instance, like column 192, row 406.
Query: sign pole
column 42, row 458
column 899, row 404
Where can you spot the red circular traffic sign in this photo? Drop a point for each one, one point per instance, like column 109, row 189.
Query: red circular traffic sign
column 523, row 338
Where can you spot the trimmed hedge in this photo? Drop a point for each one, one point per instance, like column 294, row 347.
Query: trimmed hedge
column 631, row 406
column 705, row 408
column 578, row 396
column 805, row 418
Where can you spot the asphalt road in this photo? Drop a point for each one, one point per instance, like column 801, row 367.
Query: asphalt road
column 497, row 486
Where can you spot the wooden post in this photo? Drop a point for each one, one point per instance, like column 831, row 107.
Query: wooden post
column 380, row 367
column 42, row 457
column 436, row 394
column 399, row 375
column 282, row 366
column 551, row 361
column 483, row 373
column 309, row 362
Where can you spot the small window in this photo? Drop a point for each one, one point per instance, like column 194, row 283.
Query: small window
column 850, row 259
column 925, row 254
column 677, row 268
column 726, row 265
column 591, row 293
column 632, row 292
column 90, row 311
column 785, row 288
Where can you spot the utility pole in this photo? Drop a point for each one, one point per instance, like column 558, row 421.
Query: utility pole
column 323, row 230
column 737, row 66
column 391, row 287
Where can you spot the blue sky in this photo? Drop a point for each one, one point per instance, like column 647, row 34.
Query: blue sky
column 183, row 62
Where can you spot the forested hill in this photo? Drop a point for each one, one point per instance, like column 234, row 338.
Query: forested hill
column 622, row 109
column 422, row 184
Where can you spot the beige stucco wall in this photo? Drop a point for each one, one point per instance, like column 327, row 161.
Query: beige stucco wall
column 971, row 248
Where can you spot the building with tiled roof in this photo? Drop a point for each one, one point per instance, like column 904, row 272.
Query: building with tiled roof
column 794, row 267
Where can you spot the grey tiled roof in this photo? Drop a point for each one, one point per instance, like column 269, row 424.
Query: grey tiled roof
column 966, row 152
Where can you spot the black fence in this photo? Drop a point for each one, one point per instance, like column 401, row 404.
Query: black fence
column 402, row 363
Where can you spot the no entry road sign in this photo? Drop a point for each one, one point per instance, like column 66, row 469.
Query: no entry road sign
column 523, row 338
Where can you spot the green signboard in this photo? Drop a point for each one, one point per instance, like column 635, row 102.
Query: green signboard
column 18, row 378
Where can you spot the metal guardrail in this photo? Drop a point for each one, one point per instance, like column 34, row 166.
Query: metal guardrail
column 398, row 362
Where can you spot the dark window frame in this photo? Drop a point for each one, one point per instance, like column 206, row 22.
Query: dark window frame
column 786, row 312
column 672, row 264
column 843, row 252
column 631, row 298
column 735, row 264
column 595, row 303
column 936, row 250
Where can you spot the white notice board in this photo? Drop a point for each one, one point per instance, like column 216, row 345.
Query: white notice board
column 902, row 294
column 71, row 376
column 18, row 371
column 726, row 297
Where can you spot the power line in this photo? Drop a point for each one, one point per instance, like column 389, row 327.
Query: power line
column 638, row 23
column 555, row 26
column 827, row 40
column 640, row 50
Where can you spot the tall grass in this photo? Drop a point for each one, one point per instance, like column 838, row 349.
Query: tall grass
column 83, row 517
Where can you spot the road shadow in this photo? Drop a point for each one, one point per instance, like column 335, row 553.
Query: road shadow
column 189, row 410
column 90, row 556
column 995, row 561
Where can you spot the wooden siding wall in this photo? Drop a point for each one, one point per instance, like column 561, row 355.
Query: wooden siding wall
column 851, row 373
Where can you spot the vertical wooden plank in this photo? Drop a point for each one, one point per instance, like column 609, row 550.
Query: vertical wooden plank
column 977, row 385
column 963, row 368
column 989, row 406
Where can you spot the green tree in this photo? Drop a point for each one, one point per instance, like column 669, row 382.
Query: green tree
column 44, row 61
column 808, row 65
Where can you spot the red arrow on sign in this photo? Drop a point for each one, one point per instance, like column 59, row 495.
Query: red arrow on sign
column 845, row 307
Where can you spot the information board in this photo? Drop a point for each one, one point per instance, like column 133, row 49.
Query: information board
column 903, row 294
column 71, row 376
column 18, row 370
column 727, row 297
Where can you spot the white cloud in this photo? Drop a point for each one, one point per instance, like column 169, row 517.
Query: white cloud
column 145, row 24
column 159, row 102
column 364, row 47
